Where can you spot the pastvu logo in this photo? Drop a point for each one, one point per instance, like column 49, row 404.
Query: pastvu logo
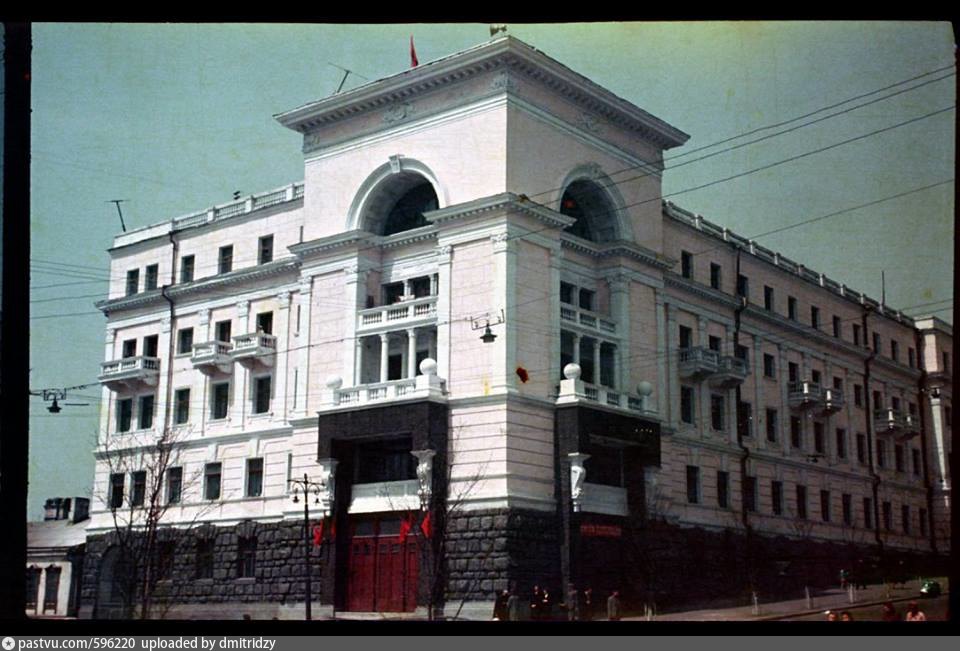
column 8, row 643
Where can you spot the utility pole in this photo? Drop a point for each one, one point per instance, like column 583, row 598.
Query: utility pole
column 117, row 202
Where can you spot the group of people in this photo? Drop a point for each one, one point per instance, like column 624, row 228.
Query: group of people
column 542, row 605
column 888, row 613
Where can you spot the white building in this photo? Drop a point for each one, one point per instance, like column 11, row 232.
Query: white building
column 332, row 327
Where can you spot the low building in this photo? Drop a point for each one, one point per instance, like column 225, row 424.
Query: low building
column 55, row 549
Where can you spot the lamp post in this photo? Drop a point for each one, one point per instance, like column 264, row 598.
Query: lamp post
column 321, row 492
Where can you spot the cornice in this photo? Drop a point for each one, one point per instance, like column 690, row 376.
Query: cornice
column 620, row 248
column 806, row 331
column 504, row 200
column 671, row 279
column 333, row 242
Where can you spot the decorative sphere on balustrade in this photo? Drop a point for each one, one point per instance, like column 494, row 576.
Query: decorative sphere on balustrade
column 572, row 371
column 334, row 382
column 428, row 366
column 644, row 388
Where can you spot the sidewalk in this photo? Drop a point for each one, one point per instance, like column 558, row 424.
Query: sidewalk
column 830, row 599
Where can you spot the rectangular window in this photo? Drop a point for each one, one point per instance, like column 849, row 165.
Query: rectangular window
column 181, row 409
column 686, row 264
column 915, row 453
column 52, row 589
column 791, row 308
column 769, row 366
column 265, row 323
column 150, row 345
column 742, row 353
column 867, row 513
column 221, row 398
column 898, row 460
column 846, row 503
column 923, row 522
column 841, row 443
column 116, row 490
column 793, row 372
column 744, row 419
column 385, row 460
column 819, row 445
column 743, row 286
column 150, row 277
column 749, row 493
column 887, row 508
column 187, row 264
column 723, row 489
column 124, row 414
column 815, row 376
column 261, row 394
column 894, row 351
column 211, row 481
column 881, row 454
column 225, row 259
column 825, row 506
column 837, row 327
column 184, row 341
column 905, row 517
column 129, row 349
column 693, row 484
column 715, row 275
column 265, row 248
column 566, row 293
column 768, row 303
column 714, row 343
column 814, row 316
column 133, row 282
column 796, row 435
column 204, row 558
column 802, row 502
column 222, row 330
column 911, row 358
column 138, row 487
column 716, row 412
column 862, row 448
column 686, row 337
column 174, row 485
column 33, row 587
column 877, row 400
column 145, row 416
column 254, row 477
column 856, row 334
column 686, row 404
column 246, row 558
column 858, row 395
column 838, row 384
column 876, row 342
column 586, row 299
column 776, row 493
column 772, row 425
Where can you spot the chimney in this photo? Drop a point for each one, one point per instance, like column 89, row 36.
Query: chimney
column 51, row 509
column 81, row 509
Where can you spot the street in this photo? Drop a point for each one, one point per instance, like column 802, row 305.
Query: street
column 934, row 609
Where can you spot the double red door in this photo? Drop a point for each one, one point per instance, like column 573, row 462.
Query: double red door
column 382, row 572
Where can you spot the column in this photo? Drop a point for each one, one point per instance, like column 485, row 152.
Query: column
column 304, row 300
column 615, row 384
column 204, row 330
column 432, row 334
column 668, row 400
column 786, row 414
column 358, row 361
column 620, row 312
column 240, row 373
column 354, row 298
column 384, row 356
column 759, row 406
column 702, row 390
column 596, row 362
column 107, row 414
column 166, row 353
column 444, row 258
column 434, row 284
column 576, row 348
column 411, row 353
column 280, row 400
column 556, row 324
column 504, row 355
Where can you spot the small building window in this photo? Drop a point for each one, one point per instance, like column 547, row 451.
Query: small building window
column 225, row 259
column 881, row 454
column 814, row 316
column 220, row 400
column 715, row 275
column 184, row 341
column 867, row 513
column 856, row 334
column 876, row 342
column 166, row 555
column 837, row 327
column 51, row 589
column 894, row 351
column 587, row 299
column 693, row 485
column 769, row 366
column 846, row 503
column 802, row 502
column 116, row 490
column 717, row 409
column 858, row 395
column 744, row 419
column 819, row 445
column 384, row 460
column 915, row 454
column 265, row 323
column 749, row 493
column 566, row 293
column 211, row 481
column 714, row 343
column 742, row 353
column 723, row 489
column 124, row 414
column 772, row 425
column 181, row 409
column 222, row 330
column 686, row 404
column 129, row 349
column 138, row 490
column 32, row 587
column 776, row 493
column 246, row 557
column 825, row 505
column 923, row 522
column 150, row 345
column 174, row 485
column 791, row 308
column 793, row 372
column 150, row 277
column 887, row 516
column 133, row 282
column 768, row 298
column 187, row 264
column 686, row 264
column 862, row 448
column 254, row 477
column 905, row 517
column 265, row 249
column 743, row 286
column 261, row 394
column 796, row 438
column 841, row 443
column 145, row 415
column 911, row 358
column 686, row 337
column 898, row 458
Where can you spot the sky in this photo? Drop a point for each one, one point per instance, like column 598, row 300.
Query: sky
column 174, row 118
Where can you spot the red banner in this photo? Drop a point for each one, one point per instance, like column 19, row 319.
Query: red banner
column 601, row 530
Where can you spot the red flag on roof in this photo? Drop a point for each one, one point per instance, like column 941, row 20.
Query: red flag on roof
column 414, row 62
column 426, row 527
column 318, row 534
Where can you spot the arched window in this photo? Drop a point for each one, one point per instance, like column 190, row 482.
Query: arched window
column 596, row 216
column 407, row 212
column 398, row 204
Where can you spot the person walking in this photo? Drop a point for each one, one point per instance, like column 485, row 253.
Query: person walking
column 613, row 606
column 573, row 603
column 586, row 609
column 888, row 613
column 914, row 614
column 536, row 601
column 513, row 606
column 500, row 606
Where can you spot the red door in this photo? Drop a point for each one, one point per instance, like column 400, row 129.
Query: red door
column 382, row 572
column 361, row 567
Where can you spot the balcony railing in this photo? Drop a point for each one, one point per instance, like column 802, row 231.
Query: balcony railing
column 587, row 318
column 833, row 400
column 130, row 371
column 698, row 362
column 888, row 421
column 380, row 391
column 805, row 395
column 404, row 314
column 731, row 371
column 255, row 347
column 613, row 398
column 212, row 356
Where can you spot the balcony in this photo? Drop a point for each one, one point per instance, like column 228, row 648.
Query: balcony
column 426, row 385
column 699, row 362
column 832, row 400
column 574, row 390
column 805, row 395
column 130, row 372
column 587, row 319
column 730, row 372
column 405, row 314
column 212, row 357
column 254, row 348
column 888, row 421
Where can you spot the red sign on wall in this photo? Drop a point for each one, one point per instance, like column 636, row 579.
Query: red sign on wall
column 600, row 530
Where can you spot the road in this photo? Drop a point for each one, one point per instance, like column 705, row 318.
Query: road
column 934, row 609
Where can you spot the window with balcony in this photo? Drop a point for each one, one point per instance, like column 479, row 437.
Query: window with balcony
column 225, row 259
column 876, row 342
column 124, row 414
column 819, row 445
column 846, row 506
column 686, row 337
column 768, row 298
column 816, row 377
column 858, row 395
column 887, row 509
column 261, row 394
column 841, row 443
column 776, row 494
column 769, row 366
column 211, row 480
column 220, row 398
column 825, row 505
column 862, row 448
column 772, row 425
column 894, row 351
column 915, row 455
column 150, row 277
column 715, row 275
column 881, row 454
column 133, row 282
column 222, row 331
column 837, row 327
column 184, row 341
column 911, row 358
column 420, row 286
column 384, row 460
column 265, row 323
column 714, row 343
column 793, row 372
column 742, row 353
column 145, row 412
column 150, row 345
column 867, row 513
column 744, row 419
column 129, row 349
column 749, row 493
column 393, row 292
column 856, row 334
column 117, row 480
column 174, row 485
column 181, row 406
column 877, row 400
column 138, row 487
column 814, row 316
column 686, row 264
column 567, row 293
column 686, row 404
column 791, row 308
column 246, row 557
column 187, row 266
column 587, row 299
column 796, row 438
column 802, row 502
column 204, row 558
column 717, row 409
column 693, row 485
column 743, row 286
column 723, row 489
column 895, row 403
column 265, row 249
column 254, row 477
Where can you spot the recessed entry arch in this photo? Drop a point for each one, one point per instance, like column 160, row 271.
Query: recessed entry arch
column 394, row 197
column 592, row 198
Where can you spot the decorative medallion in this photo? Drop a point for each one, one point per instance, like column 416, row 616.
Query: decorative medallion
column 589, row 122
column 397, row 112
column 503, row 81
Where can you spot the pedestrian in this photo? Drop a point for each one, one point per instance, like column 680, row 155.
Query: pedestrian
column 613, row 606
column 573, row 603
column 846, row 616
column 513, row 605
column 586, row 609
column 832, row 616
column 535, row 603
column 888, row 613
column 844, row 579
column 546, row 606
column 500, row 606
column 914, row 614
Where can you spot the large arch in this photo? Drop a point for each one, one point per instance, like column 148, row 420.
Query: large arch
column 592, row 198
column 394, row 196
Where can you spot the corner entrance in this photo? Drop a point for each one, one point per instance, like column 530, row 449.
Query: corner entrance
column 382, row 571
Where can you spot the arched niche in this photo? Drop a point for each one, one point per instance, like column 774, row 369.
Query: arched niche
column 394, row 197
column 590, row 197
